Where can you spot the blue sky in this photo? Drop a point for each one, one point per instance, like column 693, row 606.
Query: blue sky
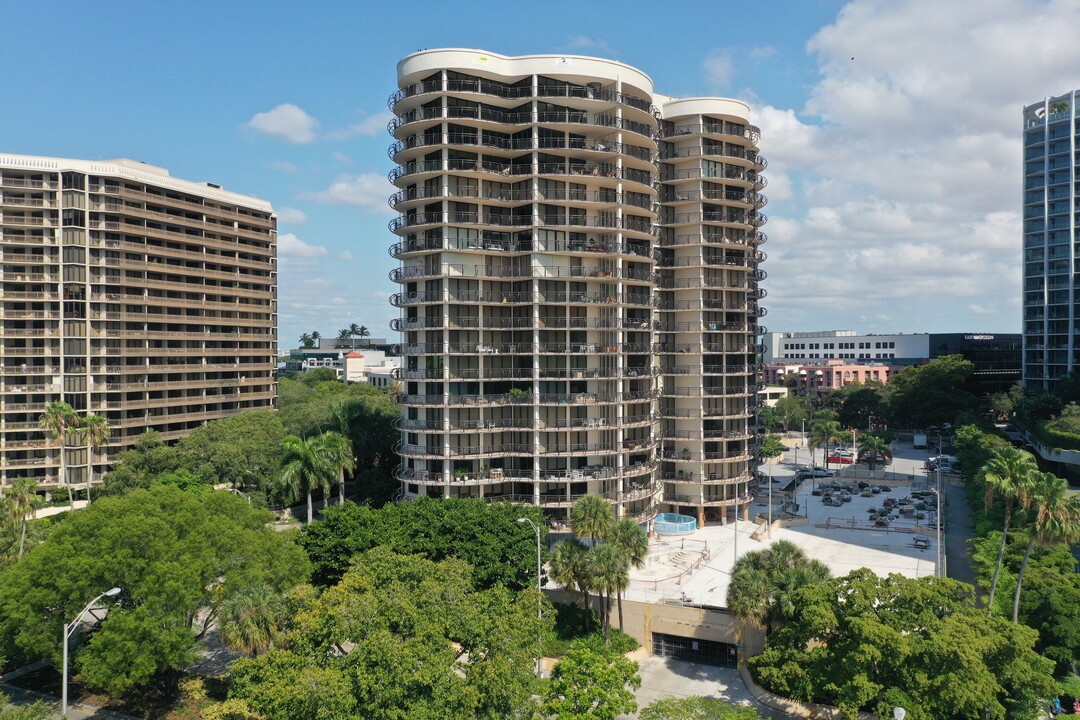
column 891, row 127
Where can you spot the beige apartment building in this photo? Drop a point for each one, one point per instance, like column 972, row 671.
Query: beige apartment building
column 130, row 294
column 579, row 273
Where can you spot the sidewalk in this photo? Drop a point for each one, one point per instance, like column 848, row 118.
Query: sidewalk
column 18, row 696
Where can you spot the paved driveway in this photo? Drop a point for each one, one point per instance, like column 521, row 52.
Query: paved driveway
column 661, row 677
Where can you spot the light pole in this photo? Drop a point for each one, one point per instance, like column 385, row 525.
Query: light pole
column 770, row 498
column 68, row 630
column 234, row 490
column 539, row 603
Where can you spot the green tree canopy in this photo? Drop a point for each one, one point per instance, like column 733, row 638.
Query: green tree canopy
column 402, row 637
column 863, row 641
column 931, row 394
column 487, row 535
column 591, row 685
column 173, row 554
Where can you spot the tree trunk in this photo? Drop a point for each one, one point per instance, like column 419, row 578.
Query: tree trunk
column 1001, row 558
column 619, row 597
column 309, row 511
column 22, row 540
column 63, row 476
column 1020, row 578
column 605, row 605
column 588, row 609
column 341, row 489
column 89, row 469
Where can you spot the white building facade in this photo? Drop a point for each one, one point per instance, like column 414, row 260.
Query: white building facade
column 844, row 345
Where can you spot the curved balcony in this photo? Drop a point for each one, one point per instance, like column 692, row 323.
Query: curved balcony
column 741, row 390
column 522, row 348
column 504, row 91
column 707, row 478
column 750, row 132
column 570, row 118
column 687, row 455
column 726, row 172
column 508, row 475
column 706, row 150
column 526, row 399
column 452, row 270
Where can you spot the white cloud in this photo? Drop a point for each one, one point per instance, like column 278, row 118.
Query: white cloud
column 583, row 42
column 371, row 126
column 896, row 189
column 286, row 122
column 341, row 157
column 346, row 255
column 290, row 246
column 762, row 52
column 367, row 191
column 283, row 166
column 291, row 216
column 719, row 69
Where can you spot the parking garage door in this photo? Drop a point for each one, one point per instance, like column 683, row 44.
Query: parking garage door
column 709, row 652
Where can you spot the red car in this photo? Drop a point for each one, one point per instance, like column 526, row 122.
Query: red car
column 841, row 459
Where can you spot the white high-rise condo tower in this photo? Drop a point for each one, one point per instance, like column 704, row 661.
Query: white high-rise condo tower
column 579, row 271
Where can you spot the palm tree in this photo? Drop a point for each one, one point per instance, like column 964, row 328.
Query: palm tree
column 632, row 539
column 822, row 434
column 591, row 517
column 58, row 419
column 1009, row 474
column 304, row 466
column 872, row 447
column 251, row 619
column 748, row 590
column 339, row 454
column 1057, row 520
column 315, row 337
column 610, row 572
column 568, row 568
column 343, row 334
column 94, row 430
column 358, row 331
column 22, row 501
column 786, row 586
column 306, row 341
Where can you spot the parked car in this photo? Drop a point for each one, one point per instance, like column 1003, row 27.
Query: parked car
column 840, row 459
column 817, row 472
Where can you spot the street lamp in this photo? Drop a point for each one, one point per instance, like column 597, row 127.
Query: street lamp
column 539, row 604
column 69, row 629
column 234, row 490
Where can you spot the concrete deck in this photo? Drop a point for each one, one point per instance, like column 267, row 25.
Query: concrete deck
column 677, row 571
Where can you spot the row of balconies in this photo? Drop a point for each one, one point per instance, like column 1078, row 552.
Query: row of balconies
column 495, row 297
column 552, row 348
column 500, row 170
column 713, row 236
column 505, row 475
column 523, row 323
column 750, row 132
column 563, row 116
column 580, row 243
column 207, row 207
column 541, row 448
column 490, row 141
column 517, row 423
column 721, row 172
column 632, row 223
column 218, row 241
column 499, row 194
column 698, row 259
column 514, row 270
column 739, row 152
column 612, row 373
column 504, row 91
column 528, row 398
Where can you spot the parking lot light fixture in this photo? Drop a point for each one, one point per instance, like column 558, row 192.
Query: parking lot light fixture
column 69, row 630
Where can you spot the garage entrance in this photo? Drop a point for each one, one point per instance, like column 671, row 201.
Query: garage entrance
column 709, row 652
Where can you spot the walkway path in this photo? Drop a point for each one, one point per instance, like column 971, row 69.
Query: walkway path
column 663, row 677
column 958, row 530
column 18, row 696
